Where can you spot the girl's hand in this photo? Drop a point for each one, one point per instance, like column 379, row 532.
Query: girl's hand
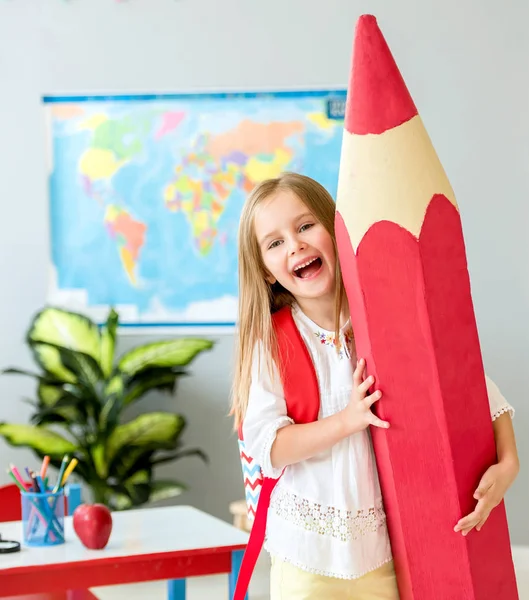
column 357, row 414
column 491, row 491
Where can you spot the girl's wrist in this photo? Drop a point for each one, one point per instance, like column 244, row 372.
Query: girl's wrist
column 340, row 424
column 510, row 463
column 347, row 429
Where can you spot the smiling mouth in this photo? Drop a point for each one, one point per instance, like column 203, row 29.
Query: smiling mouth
column 308, row 269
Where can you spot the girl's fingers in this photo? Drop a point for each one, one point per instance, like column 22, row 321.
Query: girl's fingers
column 372, row 398
column 358, row 374
column 475, row 520
column 480, row 525
column 365, row 385
column 466, row 524
column 376, row 422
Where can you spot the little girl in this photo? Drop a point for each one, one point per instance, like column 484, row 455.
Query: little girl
column 326, row 529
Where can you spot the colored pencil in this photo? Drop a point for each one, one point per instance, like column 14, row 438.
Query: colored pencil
column 69, row 470
column 61, row 474
column 17, row 482
column 44, row 468
column 16, row 473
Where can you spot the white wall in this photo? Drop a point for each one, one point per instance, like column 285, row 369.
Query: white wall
column 465, row 63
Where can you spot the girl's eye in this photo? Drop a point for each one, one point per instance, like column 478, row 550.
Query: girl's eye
column 274, row 244
column 306, row 226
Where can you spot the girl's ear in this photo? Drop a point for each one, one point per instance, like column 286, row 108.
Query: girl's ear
column 270, row 278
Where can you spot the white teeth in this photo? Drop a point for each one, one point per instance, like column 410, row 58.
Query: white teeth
column 306, row 264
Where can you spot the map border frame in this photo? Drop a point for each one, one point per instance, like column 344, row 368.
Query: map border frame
column 338, row 93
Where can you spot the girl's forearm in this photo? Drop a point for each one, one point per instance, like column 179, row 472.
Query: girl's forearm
column 505, row 441
column 295, row 443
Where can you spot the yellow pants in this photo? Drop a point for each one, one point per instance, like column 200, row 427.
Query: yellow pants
column 290, row 583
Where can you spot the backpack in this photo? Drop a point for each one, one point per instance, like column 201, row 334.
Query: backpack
column 300, row 387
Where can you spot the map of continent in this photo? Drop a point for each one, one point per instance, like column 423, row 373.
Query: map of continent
column 145, row 195
column 129, row 235
column 237, row 159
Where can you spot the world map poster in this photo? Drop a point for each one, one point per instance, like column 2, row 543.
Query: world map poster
column 145, row 194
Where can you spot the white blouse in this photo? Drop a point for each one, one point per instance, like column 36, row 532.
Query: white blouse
column 326, row 514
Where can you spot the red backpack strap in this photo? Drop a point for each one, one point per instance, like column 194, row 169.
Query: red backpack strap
column 300, row 384
column 300, row 387
column 255, row 543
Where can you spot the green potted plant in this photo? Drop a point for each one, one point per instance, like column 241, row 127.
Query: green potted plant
column 82, row 394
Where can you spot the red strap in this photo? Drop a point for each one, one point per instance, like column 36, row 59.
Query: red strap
column 255, row 543
column 300, row 384
column 300, row 387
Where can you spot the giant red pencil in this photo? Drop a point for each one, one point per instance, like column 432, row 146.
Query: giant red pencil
column 403, row 259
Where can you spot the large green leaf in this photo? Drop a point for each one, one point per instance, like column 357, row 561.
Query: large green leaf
column 49, row 394
column 170, row 353
column 49, row 416
column 56, row 406
column 99, row 459
column 86, row 369
column 116, row 385
column 134, row 459
column 163, row 489
column 142, row 476
column 138, row 487
column 48, row 380
column 49, row 358
column 108, row 342
column 118, row 501
column 71, row 330
column 110, row 413
column 162, row 379
column 151, row 430
column 39, row 438
column 113, row 404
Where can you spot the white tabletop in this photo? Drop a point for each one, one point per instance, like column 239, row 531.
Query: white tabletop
column 135, row 532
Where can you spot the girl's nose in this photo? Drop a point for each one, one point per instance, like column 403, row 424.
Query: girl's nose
column 296, row 246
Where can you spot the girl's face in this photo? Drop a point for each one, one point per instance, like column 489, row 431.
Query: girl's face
column 297, row 250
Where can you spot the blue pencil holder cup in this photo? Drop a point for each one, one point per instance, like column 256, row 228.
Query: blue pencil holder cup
column 42, row 518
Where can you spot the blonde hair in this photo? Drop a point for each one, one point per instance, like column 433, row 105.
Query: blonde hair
column 258, row 299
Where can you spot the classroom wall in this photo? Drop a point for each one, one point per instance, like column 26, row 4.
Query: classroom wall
column 466, row 65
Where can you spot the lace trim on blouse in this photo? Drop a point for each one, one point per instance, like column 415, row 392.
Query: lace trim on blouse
column 344, row 525
column 501, row 411
column 321, row 572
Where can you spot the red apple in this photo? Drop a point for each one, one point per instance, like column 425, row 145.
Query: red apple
column 93, row 524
